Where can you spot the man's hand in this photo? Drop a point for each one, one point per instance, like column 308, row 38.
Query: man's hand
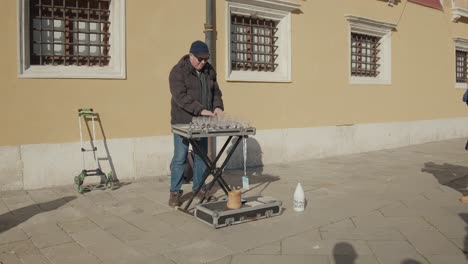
column 207, row 113
column 218, row 111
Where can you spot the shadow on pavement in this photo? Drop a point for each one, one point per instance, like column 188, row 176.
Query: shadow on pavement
column 344, row 253
column 102, row 186
column 258, row 184
column 453, row 176
column 410, row 261
column 20, row 215
column 464, row 216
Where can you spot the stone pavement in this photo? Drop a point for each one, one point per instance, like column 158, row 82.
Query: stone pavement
column 391, row 206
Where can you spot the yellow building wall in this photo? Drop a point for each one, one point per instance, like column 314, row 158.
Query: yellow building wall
column 158, row 33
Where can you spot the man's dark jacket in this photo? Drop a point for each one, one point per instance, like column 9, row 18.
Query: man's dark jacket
column 186, row 91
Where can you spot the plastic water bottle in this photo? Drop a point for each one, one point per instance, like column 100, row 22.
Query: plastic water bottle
column 299, row 199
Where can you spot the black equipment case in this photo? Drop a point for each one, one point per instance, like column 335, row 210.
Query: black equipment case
column 217, row 214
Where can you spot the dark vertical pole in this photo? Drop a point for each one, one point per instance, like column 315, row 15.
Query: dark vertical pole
column 210, row 31
column 210, row 39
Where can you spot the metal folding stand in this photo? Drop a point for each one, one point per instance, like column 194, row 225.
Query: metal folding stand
column 192, row 134
column 212, row 169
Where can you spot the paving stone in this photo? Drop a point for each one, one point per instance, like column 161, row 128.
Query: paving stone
column 257, row 235
column 126, row 231
column 12, row 235
column 47, row 235
column 391, row 201
column 346, row 259
column 445, row 259
column 449, row 197
column 297, row 245
column 225, row 260
column 346, row 223
column 48, row 197
column 34, row 259
column 279, row 259
column 375, row 219
column 175, row 218
column 194, row 231
column 15, row 202
column 7, row 258
column 76, row 226
column 461, row 243
column 106, row 220
column 361, row 234
column 70, row 253
column 268, row 249
column 395, row 252
column 155, row 259
column 449, row 225
column 152, row 244
column 200, row 252
column 106, row 247
column 20, row 248
column 45, row 217
column 402, row 210
column 429, row 241
column 101, row 199
column 142, row 205
column 13, row 193
column 3, row 208
column 149, row 223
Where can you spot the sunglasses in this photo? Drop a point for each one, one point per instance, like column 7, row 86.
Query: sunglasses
column 200, row 59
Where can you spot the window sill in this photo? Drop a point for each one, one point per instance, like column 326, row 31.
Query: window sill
column 458, row 13
column 71, row 72
column 370, row 81
column 461, row 86
column 247, row 76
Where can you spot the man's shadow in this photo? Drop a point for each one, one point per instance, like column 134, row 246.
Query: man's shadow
column 253, row 157
column 344, row 253
column 234, row 169
column 464, row 216
column 453, row 176
column 13, row 218
column 254, row 167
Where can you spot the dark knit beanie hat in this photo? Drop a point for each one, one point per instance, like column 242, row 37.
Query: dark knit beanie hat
column 199, row 48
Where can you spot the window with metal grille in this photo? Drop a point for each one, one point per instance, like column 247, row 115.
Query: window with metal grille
column 461, row 66
column 365, row 55
column 253, row 44
column 70, row 32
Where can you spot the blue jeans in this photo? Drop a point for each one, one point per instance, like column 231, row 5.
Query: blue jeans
column 179, row 161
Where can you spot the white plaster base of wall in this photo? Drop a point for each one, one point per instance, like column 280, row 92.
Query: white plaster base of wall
column 46, row 165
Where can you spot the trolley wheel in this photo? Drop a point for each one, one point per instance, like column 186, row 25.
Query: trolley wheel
column 79, row 181
column 110, row 180
column 80, row 189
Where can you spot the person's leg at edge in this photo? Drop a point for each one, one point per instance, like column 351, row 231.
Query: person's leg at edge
column 178, row 162
column 199, row 166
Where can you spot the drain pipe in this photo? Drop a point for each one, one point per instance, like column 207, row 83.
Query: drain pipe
column 210, row 40
column 210, row 31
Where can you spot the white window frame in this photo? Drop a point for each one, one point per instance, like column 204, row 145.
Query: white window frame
column 462, row 45
column 375, row 28
column 278, row 10
column 458, row 11
column 115, row 70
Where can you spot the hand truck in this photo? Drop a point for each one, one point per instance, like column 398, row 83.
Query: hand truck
column 89, row 114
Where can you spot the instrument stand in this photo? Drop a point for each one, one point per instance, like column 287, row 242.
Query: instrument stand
column 211, row 168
